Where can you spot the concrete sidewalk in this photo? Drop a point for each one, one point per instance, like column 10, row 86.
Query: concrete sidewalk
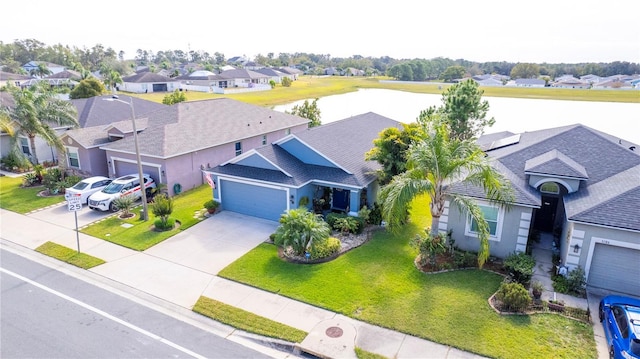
column 184, row 267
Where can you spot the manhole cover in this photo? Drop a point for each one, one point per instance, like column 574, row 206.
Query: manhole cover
column 334, row 332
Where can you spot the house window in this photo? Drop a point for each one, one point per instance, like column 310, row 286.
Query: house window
column 492, row 215
column 72, row 157
column 264, row 140
column 24, row 145
column 238, row 148
column 550, row 187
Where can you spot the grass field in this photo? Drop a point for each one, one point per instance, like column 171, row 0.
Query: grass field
column 307, row 87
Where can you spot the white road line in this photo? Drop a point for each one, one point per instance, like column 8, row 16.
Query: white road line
column 104, row 314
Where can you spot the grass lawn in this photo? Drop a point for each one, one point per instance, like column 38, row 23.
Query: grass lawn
column 378, row 283
column 23, row 200
column 140, row 236
column 247, row 321
column 69, row 255
column 307, row 87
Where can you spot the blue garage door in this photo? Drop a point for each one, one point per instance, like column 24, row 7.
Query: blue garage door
column 263, row 202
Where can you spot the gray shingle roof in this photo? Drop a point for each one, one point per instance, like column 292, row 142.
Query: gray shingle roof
column 191, row 126
column 608, row 197
column 145, row 76
column 97, row 111
column 555, row 163
column 344, row 142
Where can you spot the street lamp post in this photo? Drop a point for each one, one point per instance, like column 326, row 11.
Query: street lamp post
column 145, row 215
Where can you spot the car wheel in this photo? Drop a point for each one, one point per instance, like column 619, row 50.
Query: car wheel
column 612, row 354
column 601, row 312
column 113, row 207
column 149, row 193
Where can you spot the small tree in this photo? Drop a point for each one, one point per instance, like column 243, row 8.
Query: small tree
column 124, row 204
column 175, row 97
column 286, row 82
column 309, row 111
column 299, row 228
column 87, row 88
column 162, row 207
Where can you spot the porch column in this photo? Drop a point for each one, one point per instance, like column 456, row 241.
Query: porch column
column 354, row 203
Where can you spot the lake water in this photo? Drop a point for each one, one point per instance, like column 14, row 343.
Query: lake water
column 511, row 114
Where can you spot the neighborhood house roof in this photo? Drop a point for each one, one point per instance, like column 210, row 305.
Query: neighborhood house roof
column 340, row 145
column 609, row 170
column 191, row 126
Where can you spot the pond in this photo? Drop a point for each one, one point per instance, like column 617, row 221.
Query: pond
column 511, row 114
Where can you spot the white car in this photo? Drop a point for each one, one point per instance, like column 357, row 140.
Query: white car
column 87, row 187
column 122, row 186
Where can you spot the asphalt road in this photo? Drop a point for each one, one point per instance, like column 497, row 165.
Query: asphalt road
column 45, row 313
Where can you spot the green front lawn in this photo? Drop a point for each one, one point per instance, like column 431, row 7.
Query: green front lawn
column 140, row 236
column 23, row 200
column 378, row 283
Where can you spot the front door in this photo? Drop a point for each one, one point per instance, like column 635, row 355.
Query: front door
column 546, row 215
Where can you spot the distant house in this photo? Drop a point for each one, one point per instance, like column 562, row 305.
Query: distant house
column 568, row 81
column 613, row 84
column 291, row 71
column 146, row 82
column 321, row 163
column 32, row 66
column 529, row 83
column 176, row 142
column 273, row 74
column 13, row 79
column 206, row 81
column 588, row 202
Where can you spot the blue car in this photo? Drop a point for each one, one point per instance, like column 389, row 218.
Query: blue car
column 620, row 317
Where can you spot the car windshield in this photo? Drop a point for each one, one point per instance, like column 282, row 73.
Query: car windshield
column 113, row 188
column 80, row 185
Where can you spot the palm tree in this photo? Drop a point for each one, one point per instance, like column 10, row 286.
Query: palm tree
column 432, row 165
column 35, row 110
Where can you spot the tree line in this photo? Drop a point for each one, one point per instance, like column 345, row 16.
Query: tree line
column 98, row 58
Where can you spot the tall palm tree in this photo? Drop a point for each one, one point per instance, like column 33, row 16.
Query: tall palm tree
column 432, row 165
column 35, row 110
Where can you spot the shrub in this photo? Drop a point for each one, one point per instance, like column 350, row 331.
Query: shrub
column 29, row 179
column 51, row 179
column 576, row 280
column 299, row 228
column 15, row 161
column 164, row 225
column 375, row 217
column 332, row 218
column 211, row 205
column 520, row 267
column 324, row 248
column 124, row 204
column 429, row 246
column 464, row 259
column 162, row 207
column 304, row 200
column 514, row 296
column 364, row 213
column 346, row 225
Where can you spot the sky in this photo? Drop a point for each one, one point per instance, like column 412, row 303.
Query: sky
column 551, row 31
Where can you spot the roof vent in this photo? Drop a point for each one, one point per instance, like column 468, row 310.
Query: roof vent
column 632, row 148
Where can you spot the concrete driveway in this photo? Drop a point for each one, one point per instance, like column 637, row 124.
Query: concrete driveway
column 216, row 242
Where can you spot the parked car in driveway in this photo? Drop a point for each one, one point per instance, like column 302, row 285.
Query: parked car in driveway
column 121, row 186
column 620, row 317
column 87, row 187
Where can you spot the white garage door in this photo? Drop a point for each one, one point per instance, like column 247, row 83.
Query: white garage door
column 615, row 268
column 126, row 168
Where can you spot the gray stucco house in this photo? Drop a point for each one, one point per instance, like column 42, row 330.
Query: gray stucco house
column 578, row 183
column 176, row 142
column 321, row 162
